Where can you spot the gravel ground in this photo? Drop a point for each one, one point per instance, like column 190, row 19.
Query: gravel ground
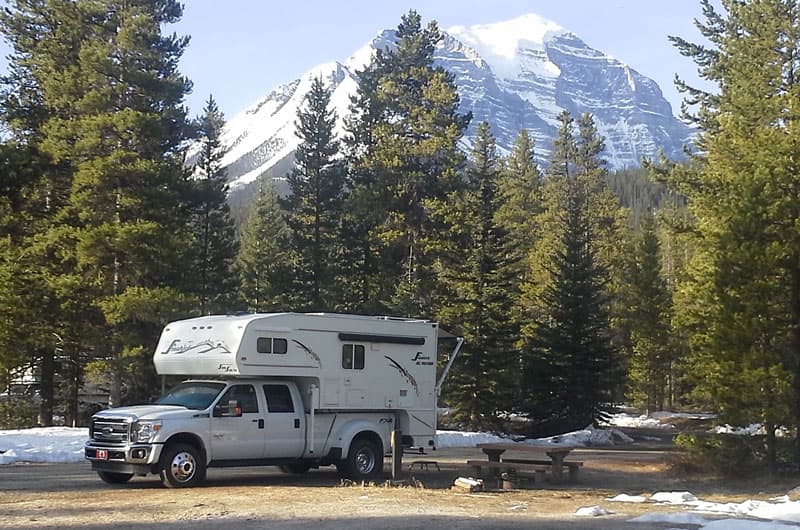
column 71, row 496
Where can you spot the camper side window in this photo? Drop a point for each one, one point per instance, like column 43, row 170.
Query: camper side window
column 353, row 356
column 270, row 345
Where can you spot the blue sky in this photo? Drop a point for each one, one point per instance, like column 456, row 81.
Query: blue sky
column 242, row 49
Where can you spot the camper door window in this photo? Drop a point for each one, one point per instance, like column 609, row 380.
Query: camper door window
column 353, row 356
column 271, row 345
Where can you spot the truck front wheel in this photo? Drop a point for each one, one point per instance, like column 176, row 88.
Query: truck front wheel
column 114, row 478
column 364, row 460
column 181, row 466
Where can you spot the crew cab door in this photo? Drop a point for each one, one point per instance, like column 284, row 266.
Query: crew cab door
column 286, row 433
column 237, row 425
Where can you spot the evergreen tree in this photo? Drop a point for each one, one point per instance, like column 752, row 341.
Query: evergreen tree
column 113, row 128
column 741, row 301
column 649, row 308
column 521, row 190
column 478, row 276
column 571, row 367
column 314, row 203
column 213, row 234
column 571, row 261
column 265, row 265
column 45, row 38
column 404, row 156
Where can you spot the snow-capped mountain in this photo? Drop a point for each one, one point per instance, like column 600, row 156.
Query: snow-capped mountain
column 516, row 74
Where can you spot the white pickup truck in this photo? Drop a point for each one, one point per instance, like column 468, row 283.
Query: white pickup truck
column 284, row 389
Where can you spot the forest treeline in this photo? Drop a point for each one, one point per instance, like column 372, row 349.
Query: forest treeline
column 575, row 287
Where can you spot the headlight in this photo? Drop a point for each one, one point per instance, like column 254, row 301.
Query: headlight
column 145, row 431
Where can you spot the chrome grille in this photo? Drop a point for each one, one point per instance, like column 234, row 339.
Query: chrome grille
column 110, row 430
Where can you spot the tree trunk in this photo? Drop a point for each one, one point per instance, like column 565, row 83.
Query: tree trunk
column 47, row 388
column 772, row 452
column 795, row 350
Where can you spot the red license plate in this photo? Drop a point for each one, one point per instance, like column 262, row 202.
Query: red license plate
column 102, row 454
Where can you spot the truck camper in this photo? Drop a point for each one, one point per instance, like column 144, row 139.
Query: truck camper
column 296, row 390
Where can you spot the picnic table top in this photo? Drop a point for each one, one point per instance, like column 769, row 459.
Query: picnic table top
column 559, row 449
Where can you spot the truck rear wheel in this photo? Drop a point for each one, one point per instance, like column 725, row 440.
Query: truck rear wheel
column 114, row 478
column 364, row 460
column 181, row 466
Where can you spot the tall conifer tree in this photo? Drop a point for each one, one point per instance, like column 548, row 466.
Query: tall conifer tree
column 741, row 303
column 212, row 230
column 648, row 305
column 314, row 203
column 405, row 158
column 477, row 274
column 113, row 129
column 265, row 263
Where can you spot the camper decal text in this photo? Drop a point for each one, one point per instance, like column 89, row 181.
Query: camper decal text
column 200, row 348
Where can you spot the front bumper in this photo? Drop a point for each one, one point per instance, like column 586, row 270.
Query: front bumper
column 101, row 455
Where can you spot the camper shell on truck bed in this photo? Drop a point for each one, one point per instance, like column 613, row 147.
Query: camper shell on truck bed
column 341, row 363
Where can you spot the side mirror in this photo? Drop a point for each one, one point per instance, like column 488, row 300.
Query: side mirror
column 231, row 409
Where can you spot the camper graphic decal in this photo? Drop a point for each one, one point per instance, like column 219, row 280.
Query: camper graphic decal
column 426, row 424
column 406, row 374
column 204, row 347
column 309, row 352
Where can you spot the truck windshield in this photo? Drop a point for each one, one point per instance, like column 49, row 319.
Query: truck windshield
column 192, row 395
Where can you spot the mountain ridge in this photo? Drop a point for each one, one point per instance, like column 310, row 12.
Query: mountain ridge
column 516, row 74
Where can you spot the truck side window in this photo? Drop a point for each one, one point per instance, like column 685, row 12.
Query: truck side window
column 270, row 345
column 245, row 395
column 353, row 356
column 279, row 399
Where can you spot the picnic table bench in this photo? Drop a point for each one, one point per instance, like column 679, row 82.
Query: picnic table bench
column 509, row 470
column 555, row 464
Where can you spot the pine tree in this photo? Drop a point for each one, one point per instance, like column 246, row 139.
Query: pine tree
column 741, row 300
column 213, row 234
column 649, row 312
column 521, row 189
column 265, row 261
column 405, row 158
column 45, row 41
column 563, row 338
column 478, row 276
column 113, row 130
column 571, row 367
column 314, row 203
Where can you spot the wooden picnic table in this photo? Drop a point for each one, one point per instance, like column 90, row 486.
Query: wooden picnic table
column 556, row 454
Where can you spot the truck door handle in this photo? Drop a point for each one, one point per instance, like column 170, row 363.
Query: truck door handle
column 296, row 423
column 260, row 423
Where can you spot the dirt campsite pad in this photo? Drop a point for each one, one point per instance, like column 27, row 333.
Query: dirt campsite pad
column 71, row 496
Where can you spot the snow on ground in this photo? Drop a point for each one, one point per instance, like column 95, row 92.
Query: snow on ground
column 43, row 444
column 773, row 514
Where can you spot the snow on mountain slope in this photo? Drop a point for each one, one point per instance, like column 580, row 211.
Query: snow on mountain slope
column 515, row 74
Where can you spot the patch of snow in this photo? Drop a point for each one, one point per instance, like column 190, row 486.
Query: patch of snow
column 592, row 511
column 43, row 444
column 467, row 439
column 673, row 497
column 622, row 497
column 499, row 44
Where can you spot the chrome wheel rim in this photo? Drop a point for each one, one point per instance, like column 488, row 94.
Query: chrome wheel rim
column 183, row 467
